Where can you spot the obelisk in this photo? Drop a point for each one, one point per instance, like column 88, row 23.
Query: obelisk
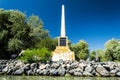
column 63, row 22
column 62, row 41
column 62, row 51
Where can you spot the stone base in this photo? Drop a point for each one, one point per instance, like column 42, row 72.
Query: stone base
column 64, row 53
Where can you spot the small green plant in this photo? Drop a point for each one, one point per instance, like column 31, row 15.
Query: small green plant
column 35, row 55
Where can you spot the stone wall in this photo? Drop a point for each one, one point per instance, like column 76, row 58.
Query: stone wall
column 60, row 68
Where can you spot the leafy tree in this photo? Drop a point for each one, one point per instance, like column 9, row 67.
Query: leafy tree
column 11, row 24
column 81, row 50
column 37, row 26
column 112, row 49
column 17, row 33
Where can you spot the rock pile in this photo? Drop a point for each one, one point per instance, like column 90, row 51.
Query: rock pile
column 60, row 68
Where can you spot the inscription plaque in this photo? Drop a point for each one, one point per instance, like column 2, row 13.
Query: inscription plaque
column 62, row 41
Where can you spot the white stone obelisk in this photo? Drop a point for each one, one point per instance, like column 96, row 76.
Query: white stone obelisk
column 62, row 51
column 63, row 22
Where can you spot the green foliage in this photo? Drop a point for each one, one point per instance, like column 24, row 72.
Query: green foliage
column 37, row 26
column 101, row 54
column 81, row 50
column 118, row 57
column 110, row 53
column 112, row 50
column 3, row 35
column 92, row 55
column 14, row 45
column 35, row 55
column 17, row 32
column 49, row 43
column 34, row 21
column 12, row 23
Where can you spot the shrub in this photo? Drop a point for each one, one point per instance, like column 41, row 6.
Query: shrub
column 35, row 55
column 92, row 55
column 81, row 50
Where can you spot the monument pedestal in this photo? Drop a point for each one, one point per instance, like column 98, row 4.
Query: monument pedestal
column 62, row 52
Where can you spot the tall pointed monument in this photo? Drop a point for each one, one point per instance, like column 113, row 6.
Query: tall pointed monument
column 62, row 51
